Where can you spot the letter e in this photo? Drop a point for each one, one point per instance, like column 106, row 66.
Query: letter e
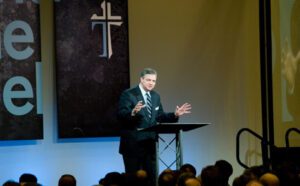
column 9, row 94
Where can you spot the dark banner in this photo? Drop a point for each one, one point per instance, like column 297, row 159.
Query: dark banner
column 20, row 69
column 92, row 67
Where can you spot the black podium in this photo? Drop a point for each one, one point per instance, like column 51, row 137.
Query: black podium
column 176, row 129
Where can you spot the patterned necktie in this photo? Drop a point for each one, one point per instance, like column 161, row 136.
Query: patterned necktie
column 148, row 105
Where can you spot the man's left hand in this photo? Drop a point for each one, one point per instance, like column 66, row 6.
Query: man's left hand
column 183, row 109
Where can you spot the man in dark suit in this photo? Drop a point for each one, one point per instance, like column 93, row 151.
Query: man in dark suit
column 139, row 108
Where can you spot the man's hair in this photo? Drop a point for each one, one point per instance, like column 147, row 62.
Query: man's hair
column 148, row 71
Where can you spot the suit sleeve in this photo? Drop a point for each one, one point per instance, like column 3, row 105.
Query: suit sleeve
column 126, row 104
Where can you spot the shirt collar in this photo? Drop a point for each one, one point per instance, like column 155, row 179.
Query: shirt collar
column 142, row 90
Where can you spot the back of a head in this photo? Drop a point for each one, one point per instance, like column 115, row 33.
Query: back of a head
column 192, row 182
column 210, row 176
column 67, row 180
column 188, row 168
column 225, row 169
column 269, row 179
column 113, row 178
column 30, row 184
column 254, row 183
column 11, row 183
column 27, row 178
column 183, row 177
column 167, row 178
column 142, row 178
column 255, row 171
column 141, row 174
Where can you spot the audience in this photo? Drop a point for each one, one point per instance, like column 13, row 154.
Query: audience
column 286, row 174
column 251, row 174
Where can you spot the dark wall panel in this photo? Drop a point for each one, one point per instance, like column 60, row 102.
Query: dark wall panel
column 20, row 69
column 92, row 67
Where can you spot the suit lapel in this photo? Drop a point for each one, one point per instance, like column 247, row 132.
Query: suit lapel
column 154, row 100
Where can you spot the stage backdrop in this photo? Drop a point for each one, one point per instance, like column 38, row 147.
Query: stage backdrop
column 286, row 77
column 92, row 67
column 20, row 68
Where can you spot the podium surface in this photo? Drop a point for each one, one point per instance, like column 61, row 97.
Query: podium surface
column 169, row 128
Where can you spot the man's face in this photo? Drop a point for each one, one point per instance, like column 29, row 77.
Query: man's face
column 148, row 82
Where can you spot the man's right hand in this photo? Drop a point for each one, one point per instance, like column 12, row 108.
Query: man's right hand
column 137, row 108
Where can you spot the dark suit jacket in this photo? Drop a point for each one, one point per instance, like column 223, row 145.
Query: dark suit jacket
column 130, row 124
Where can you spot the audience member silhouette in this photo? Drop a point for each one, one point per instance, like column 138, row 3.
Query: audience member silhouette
column 11, row 183
column 241, row 180
column 167, row 178
column 30, row 184
column 139, row 178
column 28, row 178
column 188, row 168
column 225, row 169
column 288, row 173
column 67, row 180
column 192, row 182
column 210, row 176
column 254, row 183
column 142, row 178
column 251, row 174
column 112, row 178
column 187, row 178
column 269, row 179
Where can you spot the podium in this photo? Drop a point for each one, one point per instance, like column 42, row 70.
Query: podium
column 176, row 129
